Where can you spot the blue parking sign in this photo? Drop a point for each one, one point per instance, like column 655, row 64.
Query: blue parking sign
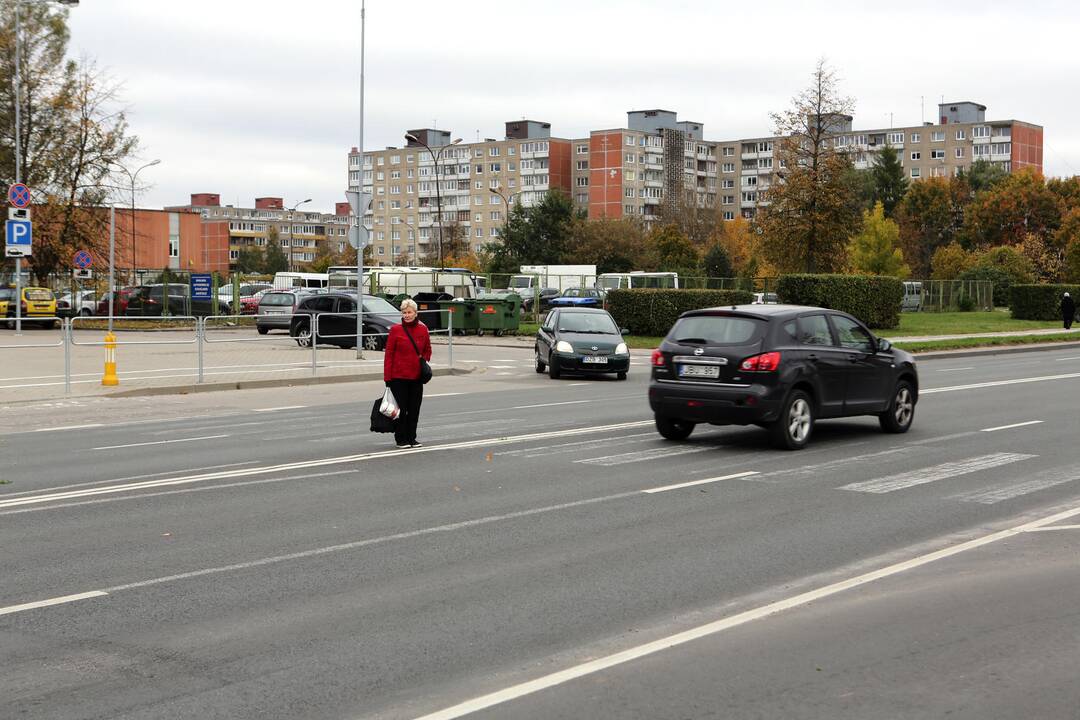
column 18, row 238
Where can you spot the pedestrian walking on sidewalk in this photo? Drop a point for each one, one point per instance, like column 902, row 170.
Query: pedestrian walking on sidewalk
column 406, row 343
column 1068, row 311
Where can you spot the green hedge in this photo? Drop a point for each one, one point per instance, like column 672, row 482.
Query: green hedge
column 1039, row 302
column 873, row 299
column 653, row 312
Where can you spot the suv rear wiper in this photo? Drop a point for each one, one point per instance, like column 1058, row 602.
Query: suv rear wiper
column 689, row 341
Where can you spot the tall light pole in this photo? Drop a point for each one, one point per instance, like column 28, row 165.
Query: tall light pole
column 506, row 201
column 291, row 211
column 438, row 193
column 17, row 87
column 132, row 178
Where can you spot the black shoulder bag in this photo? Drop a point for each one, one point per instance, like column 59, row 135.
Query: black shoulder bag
column 425, row 369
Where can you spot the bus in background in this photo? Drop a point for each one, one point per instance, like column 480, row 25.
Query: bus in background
column 637, row 279
column 286, row 280
column 401, row 280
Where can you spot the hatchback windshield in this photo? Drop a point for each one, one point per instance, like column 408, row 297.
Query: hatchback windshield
column 378, row 305
column 7, row 294
column 587, row 323
column 38, row 294
column 715, row 329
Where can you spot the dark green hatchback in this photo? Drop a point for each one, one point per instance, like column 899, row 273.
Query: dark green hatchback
column 581, row 340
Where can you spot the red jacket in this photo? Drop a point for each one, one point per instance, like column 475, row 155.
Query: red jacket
column 400, row 361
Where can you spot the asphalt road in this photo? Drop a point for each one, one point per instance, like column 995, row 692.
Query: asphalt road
column 259, row 554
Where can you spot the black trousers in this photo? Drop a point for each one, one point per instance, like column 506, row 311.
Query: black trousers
column 409, row 394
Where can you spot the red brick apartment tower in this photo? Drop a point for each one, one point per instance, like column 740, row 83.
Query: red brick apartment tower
column 559, row 175
column 1027, row 146
column 605, row 174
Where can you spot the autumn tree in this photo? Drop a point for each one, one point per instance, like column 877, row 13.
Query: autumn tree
column 534, row 235
column 73, row 137
column 950, row 261
column 611, row 245
column 1014, row 207
column 672, row 249
column 930, row 216
column 696, row 222
column 1067, row 190
column 983, row 175
column 890, row 183
column 810, row 210
column 875, row 249
column 274, row 259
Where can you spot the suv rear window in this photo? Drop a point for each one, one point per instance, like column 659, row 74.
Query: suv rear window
column 277, row 299
column 717, row 329
column 38, row 294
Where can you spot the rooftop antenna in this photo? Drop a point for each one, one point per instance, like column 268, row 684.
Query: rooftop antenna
column 890, row 120
column 477, row 134
column 922, row 109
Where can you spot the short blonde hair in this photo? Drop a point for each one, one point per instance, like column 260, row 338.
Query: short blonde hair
column 409, row 303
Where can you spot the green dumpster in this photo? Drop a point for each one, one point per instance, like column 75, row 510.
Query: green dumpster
column 489, row 315
column 512, row 313
column 461, row 315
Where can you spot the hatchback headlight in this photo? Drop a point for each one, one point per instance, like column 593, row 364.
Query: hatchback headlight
column 564, row 347
column 621, row 349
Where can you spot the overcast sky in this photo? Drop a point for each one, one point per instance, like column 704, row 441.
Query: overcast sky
column 252, row 98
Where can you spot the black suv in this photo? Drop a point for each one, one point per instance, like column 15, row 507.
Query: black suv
column 780, row 367
column 336, row 322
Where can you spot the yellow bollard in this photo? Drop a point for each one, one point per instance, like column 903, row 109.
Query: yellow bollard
column 110, row 377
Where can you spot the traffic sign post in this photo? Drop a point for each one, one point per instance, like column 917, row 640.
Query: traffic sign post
column 19, row 195
column 82, row 260
column 19, row 233
column 202, row 286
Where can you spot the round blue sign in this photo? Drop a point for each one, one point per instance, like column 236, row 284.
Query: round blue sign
column 82, row 259
column 19, row 195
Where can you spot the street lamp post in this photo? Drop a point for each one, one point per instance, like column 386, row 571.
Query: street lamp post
column 132, row 178
column 17, row 87
column 291, row 211
column 438, row 192
column 506, row 201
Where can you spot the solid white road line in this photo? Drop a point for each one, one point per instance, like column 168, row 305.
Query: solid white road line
column 283, row 407
column 553, row 404
column 589, row 668
column 955, row 369
column 1055, row 527
column 1014, row 425
column 286, row 467
column 902, row 481
column 70, row 427
column 996, row 383
column 1067, row 358
column 700, row 482
column 160, row 442
column 11, row 609
column 435, row 395
column 57, row 488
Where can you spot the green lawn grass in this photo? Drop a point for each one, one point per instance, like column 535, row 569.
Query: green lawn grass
column 956, row 323
column 965, row 343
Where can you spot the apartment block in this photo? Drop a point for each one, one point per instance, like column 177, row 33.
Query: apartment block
column 299, row 232
column 475, row 183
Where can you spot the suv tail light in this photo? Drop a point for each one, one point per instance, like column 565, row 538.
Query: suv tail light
column 657, row 358
column 766, row 362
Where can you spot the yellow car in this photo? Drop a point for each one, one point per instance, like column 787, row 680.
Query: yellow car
column 37, row 302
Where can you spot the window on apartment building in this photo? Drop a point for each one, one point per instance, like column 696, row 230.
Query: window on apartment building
column 630, row 158
column 728, row 183
column 937, row 171
column 395, row 189
column 511, row 167
column 749, row 197
column 916, row 155
column 510, row 150
column 980, row 131
column 959, row 153
column 494, row 167
column 493, row 232
column 937, row 154
column 728, row 167
column 729, row 152
column 511, row 183
column 937, row 136
column 409, row 189
column 396, row 175
column 395, row 159
column 916, row 137
column 395, row 220
column 583, row 182
column 478, row 217
column 493, row 152
column 631, row 175
column 729, row 200
column 960, row 135
column 628, row 192
column 395, row 234
column 478, row 153
column 478, row 185
column 380, row 161
column 582, row 149
column 896, row 138
column 729, row 215
column 395, row 204
column 630, row 140
column 410, row 173
column 496, row 215
column 494, row 199
column 479, row 169
column 749, row 180
column 764, row 147
column 916, row 172
column 582, row 164
column 410, row 158
column 380, row 176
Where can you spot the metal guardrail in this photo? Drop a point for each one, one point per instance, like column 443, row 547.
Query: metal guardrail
column 199, row 332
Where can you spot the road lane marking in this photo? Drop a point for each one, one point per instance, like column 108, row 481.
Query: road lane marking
column 12, row 609
column 160, row 442
column 552, row 404
column 955, row 369
column 996, row 383
column 435, row 395
column 634, row 653
column 1014, row 425
column 1056, row 527
column 300, row 465
column 129, row 477
column 70, row 427
column 283, row 407
column 1067, row 358
column 902, row 481
column 1035, row 483
column 700, row 482
column 644, row 455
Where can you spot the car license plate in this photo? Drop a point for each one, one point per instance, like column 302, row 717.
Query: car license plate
column 702, row 371
column 594, row 360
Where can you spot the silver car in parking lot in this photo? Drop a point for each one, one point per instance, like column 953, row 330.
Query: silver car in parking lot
column 276, row 308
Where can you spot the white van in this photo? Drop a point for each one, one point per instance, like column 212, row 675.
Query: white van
column 637, row 279
column 913, row 297
column 286, row 280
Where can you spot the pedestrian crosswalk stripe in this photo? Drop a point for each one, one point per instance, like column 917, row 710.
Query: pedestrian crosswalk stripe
column 1035, row 483
column 904, row 480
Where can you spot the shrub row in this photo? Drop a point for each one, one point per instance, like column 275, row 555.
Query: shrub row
column 653, row 312
column 1039, row 302
column 874, row 300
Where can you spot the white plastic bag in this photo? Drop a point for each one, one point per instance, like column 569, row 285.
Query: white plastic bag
column 389, row 406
